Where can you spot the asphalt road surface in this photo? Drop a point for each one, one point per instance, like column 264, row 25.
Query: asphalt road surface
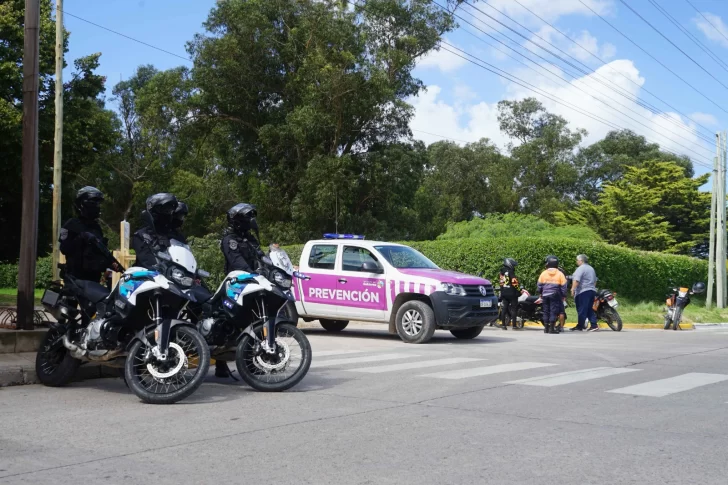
column 642, row 407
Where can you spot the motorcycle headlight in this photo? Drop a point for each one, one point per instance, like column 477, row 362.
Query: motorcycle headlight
column 452, row 289
column 179, row 276
column 281, row 280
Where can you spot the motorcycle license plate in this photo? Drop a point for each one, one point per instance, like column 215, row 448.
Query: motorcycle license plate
column 613, row 303
column 486, row 303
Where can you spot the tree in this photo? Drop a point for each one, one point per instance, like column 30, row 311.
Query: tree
column 546, row 175
column 655, row 207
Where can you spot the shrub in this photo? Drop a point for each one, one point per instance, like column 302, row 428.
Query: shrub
column 43, row 274
column 513, row 225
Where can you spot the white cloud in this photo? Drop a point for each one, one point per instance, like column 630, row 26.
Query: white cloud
column 442, row 59
column 550, row 9
column 464, row 93
column 591, row 44
column 470, row 122
column 705, row 119
column 717, row 32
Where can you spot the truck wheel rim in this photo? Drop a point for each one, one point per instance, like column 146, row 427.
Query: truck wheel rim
column 412, row 322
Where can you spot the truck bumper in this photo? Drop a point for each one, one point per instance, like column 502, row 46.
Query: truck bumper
column 462, row 311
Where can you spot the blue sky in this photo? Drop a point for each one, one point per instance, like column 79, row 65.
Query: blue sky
column 460, row 102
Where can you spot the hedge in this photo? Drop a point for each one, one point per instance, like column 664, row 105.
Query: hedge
column 636, row 275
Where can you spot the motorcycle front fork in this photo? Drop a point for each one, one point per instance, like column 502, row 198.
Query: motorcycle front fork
column 269, row 331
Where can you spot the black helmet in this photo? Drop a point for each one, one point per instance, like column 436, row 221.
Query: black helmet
column 88, row 202
column 178, row 217
column 698, row 287
column 551, row 261
column 510, row 263
column 241, row 218
column 162, row 207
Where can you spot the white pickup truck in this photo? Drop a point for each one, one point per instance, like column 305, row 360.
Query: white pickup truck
column 354, row 279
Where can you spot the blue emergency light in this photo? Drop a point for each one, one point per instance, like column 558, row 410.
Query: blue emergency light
column 331, row 235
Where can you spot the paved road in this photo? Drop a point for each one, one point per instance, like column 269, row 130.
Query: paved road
column 643, row 407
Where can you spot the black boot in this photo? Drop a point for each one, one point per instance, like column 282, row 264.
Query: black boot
column 546, row 328
column 221, row 369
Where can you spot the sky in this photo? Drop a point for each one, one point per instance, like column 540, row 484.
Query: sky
column 597, row 78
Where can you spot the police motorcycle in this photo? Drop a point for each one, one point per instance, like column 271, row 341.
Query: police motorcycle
column 676, row 302
column 281, row 260
column 245, row 319
column 134, row 327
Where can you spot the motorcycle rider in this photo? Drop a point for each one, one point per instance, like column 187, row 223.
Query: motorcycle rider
column 154, row 237
column 81, row 236
column 241, row 249
column 510, row 291
column 178, row 219
column 552, row 288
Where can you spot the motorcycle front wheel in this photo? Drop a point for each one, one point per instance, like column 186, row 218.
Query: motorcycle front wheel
column 174, row 379
column 613, row 319
column 676, row 318
column 274, row 372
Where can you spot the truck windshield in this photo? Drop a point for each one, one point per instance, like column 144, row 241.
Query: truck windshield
column 402, row 257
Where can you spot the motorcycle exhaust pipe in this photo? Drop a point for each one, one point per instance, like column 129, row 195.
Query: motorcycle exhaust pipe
column 76, row 351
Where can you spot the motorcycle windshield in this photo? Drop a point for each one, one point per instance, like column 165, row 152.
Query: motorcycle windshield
column 182, row 255
column 281, row 260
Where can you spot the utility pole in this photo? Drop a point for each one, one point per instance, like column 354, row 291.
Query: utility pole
column 58, row 149
column 720, row 236
column 29, row 228
column 711, row 251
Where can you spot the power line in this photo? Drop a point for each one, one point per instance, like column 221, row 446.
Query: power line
column 689, row 35
column 127, row 37
column 653, row 57
column 654, row 109
column 706, row 19
column 520, row 82
column 673, row 44
column 597, row 78
column 700, row 136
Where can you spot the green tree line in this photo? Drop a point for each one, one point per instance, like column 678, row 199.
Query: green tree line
column 301, row 107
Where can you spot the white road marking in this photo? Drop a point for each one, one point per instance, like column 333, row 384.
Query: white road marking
column 414, row 365
column 329, row 353
column 665, row 387
column 485, row 371
column 360, row 360
column 573, row 376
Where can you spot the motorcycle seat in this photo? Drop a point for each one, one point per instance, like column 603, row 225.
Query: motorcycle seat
column 92, row 291
column 532, row 299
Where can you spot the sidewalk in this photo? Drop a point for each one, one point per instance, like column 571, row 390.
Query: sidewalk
column 19, row 369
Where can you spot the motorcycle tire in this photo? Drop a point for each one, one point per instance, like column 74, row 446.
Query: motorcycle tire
column 53, row 364
column 251, row 365
column 668, row 323
column 195, row 351
column 518, row 324
column 613, row 319
column 676, row 318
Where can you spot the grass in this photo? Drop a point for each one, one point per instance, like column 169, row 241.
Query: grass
column 640, row 313
column 8, row 296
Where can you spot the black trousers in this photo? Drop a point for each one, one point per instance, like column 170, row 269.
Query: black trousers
column 509, row 310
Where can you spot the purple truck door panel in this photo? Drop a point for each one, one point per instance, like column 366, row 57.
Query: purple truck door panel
column 362, row 292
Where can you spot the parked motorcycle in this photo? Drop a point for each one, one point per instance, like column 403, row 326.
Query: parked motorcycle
column 164, row 359
column 245, row 319
column 676, row 302
column 605, row 306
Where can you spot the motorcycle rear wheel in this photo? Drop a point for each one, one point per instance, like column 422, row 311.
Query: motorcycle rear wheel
column 676, row 318
column 613, row 319
column 195, row 362
column 252, row 364
column 53, row 364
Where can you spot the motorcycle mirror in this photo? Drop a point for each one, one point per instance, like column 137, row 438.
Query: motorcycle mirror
column 164, row 256
column 202, row 273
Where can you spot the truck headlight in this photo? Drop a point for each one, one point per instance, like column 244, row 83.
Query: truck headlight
column 452, row 289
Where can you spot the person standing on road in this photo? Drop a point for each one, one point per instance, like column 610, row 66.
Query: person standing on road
column 552, row 288
column 583, row 289
column 510, row 291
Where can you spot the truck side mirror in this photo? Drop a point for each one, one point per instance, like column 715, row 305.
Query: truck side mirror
column 371, row 267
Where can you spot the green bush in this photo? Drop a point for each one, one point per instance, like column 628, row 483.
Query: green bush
column 514, row 225
column 43, row 274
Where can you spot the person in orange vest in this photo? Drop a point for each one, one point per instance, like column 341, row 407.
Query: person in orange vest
column 552, row 288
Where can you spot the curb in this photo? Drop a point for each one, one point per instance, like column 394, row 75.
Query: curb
column 25, row 374
column 630, row 326
column 18, row 341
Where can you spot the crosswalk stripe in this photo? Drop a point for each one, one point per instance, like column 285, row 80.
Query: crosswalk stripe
column 484, row 371
column 665, row 387
column 573, row 376
column 330, row 353
column 360, row 360
column 414, row 365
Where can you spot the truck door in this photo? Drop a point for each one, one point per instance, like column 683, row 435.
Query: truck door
column 362, row 291
column 319, row 293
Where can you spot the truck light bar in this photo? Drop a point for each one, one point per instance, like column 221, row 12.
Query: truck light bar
column 330, row 235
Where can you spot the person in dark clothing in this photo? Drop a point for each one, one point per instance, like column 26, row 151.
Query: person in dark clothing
column 241, row 250
column 81, row 236
column 510, row 291
column 562, row 314
column 178, row 220
column 154, row 237
column 552, row 288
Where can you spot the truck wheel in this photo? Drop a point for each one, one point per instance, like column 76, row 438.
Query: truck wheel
column 415, row 322
column 334, row 325
column 467, row 333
